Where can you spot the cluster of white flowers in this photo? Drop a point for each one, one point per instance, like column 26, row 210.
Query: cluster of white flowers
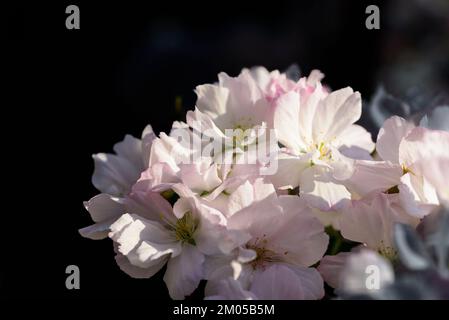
column 253, row 225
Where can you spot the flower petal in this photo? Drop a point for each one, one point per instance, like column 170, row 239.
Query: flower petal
column 104, row 207
column 321, row 190
column 390, row 137
column 289, row 171
column 417, row 196
column 280, row 282
column 212, row 100
column 373, row 176
column 339, row 110
column 142, row 241
column 356, row 143
column 301, row 237
column 331, row 267
column 184, row 272
column 422, row 143
column 286, row 121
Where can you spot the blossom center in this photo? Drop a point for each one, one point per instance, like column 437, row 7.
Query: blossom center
column 387, row 252
column 406, row 170
column 263, row 254
column 241, row 134
column 325, row 153
column 185, row 228
column 322, row 149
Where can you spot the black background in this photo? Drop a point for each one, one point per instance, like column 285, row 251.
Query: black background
column 77, row 92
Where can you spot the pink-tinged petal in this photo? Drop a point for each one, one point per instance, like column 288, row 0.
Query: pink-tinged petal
column 436, row 171
column 327, row 218
column 218, row 202
column 363, row 222
column 286, row 121
column 131, row 149
column 211, row 229
column 201, row 122
column 227, row 279
column 104, row 210
column 245, row 255
column 289, row 171
column 331, row 267
column 301, row 237
column 208, row 214
column 307, row 111
column 277, row 282
column 182, row 190
column 184, row 272
column 242, row 197
column 209, row 237
column 371, row 221
column 240, row 171
column 159, row 177
column 390, row 137
column 356, row 143
column 212, row 101
column 116, row 173
column 169, row 150
column 373, row 176
column 422, row 143
column 339, row 110
column 200, row 176
column 162, row 152
column 355, row 276
column 342, row 166
column 262, row 76
column 227, row 289
column 149, row 205
column 320, row 190
column 240, row 174
column 311, row 282
column 233, row 239
column 287, row 226
column 178, row 125
column 417, row 196
column 97, row 231
column 104, row 207
column 148, row 136
column 314, row 77
column 356, row 153
column 182, row 206
column 218, row 267
column 142, row 241
column 136, row 272
column 113, row 174
column 274, row 84
column 263, row 190
column 246, row 101
column 258, row 219
column 281, row 282
column 247, row 193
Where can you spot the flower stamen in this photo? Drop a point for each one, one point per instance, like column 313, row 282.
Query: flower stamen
column 185, row 228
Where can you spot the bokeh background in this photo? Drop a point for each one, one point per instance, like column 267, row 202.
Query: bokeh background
column 77, row 92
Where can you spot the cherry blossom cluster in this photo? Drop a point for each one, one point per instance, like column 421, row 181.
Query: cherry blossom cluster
column 244, row 192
